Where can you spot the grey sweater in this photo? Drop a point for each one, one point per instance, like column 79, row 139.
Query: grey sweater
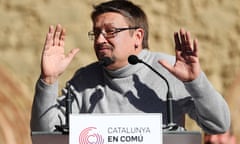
column 132, row 89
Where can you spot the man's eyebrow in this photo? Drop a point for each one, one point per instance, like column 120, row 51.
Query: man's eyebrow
column 106, row 25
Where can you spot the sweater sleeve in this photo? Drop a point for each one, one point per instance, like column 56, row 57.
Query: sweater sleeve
column 210, row 111
column 45, row 108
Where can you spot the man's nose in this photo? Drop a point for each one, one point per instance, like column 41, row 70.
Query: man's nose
column 100, row 38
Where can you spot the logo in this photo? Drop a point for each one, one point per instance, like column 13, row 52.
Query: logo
column 90, row 136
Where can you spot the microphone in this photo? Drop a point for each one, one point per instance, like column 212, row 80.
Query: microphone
column 106, row 61
column 171, row 126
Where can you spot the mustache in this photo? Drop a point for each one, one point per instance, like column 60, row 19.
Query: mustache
column 103, row 46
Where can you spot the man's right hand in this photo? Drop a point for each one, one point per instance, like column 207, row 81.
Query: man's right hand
column 54, row 61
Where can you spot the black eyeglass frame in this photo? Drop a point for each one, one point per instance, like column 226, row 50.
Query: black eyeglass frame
column 92, row 35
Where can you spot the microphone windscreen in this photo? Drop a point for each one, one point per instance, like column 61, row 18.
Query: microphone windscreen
column 132, row 59
column 106, row 61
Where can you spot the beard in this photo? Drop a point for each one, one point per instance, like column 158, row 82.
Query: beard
column 104, row 53
column 106, row 61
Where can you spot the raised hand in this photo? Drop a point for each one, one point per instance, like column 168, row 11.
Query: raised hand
column 54, row 61
column 187, row 66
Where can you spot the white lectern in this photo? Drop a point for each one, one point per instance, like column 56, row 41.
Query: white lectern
column 101, row 129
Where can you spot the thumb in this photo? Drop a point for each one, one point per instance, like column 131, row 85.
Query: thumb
column 72, row 53
column 166, row 65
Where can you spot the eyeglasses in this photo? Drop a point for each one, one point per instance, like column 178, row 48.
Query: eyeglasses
column 107, row 33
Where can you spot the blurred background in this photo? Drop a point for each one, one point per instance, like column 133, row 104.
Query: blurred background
column 24, row 24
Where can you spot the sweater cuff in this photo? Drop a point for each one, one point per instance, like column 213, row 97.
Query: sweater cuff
column 200, row 86
column 46, row 92
column 43, row 85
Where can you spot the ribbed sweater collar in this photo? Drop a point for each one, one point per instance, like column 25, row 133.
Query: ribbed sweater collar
column 128, row 69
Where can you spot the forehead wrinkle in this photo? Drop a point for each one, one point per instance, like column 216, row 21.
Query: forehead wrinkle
column 109, row 19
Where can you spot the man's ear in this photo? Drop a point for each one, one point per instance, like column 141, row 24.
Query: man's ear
column 139, row 34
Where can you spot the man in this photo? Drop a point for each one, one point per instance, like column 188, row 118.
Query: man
column 120, row 29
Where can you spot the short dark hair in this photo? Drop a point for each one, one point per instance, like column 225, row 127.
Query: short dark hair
column 133, row 14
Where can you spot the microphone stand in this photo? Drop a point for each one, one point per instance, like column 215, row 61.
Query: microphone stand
column 65, row 128
column 171, row 126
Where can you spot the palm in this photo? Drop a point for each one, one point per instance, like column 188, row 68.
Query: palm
column 54, row 61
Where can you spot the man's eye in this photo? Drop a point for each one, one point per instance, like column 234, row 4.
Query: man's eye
column 97, row 31
column 110, row 31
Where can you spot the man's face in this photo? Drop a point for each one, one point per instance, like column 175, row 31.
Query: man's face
column 119, row 46
column 225, row 138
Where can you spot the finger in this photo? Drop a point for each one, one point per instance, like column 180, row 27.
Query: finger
column 188, row 44
column 195, row 47
column 57, row 34
column 177, row 41
column 49, row 38
column 62, row 38
column 72, row 53
column 188, row 38
column 182, row 35
column 183, row 41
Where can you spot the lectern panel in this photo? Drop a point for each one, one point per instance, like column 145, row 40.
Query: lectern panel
column 186, row 137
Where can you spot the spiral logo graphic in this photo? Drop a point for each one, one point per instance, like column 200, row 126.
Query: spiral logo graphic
column 90, row 136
